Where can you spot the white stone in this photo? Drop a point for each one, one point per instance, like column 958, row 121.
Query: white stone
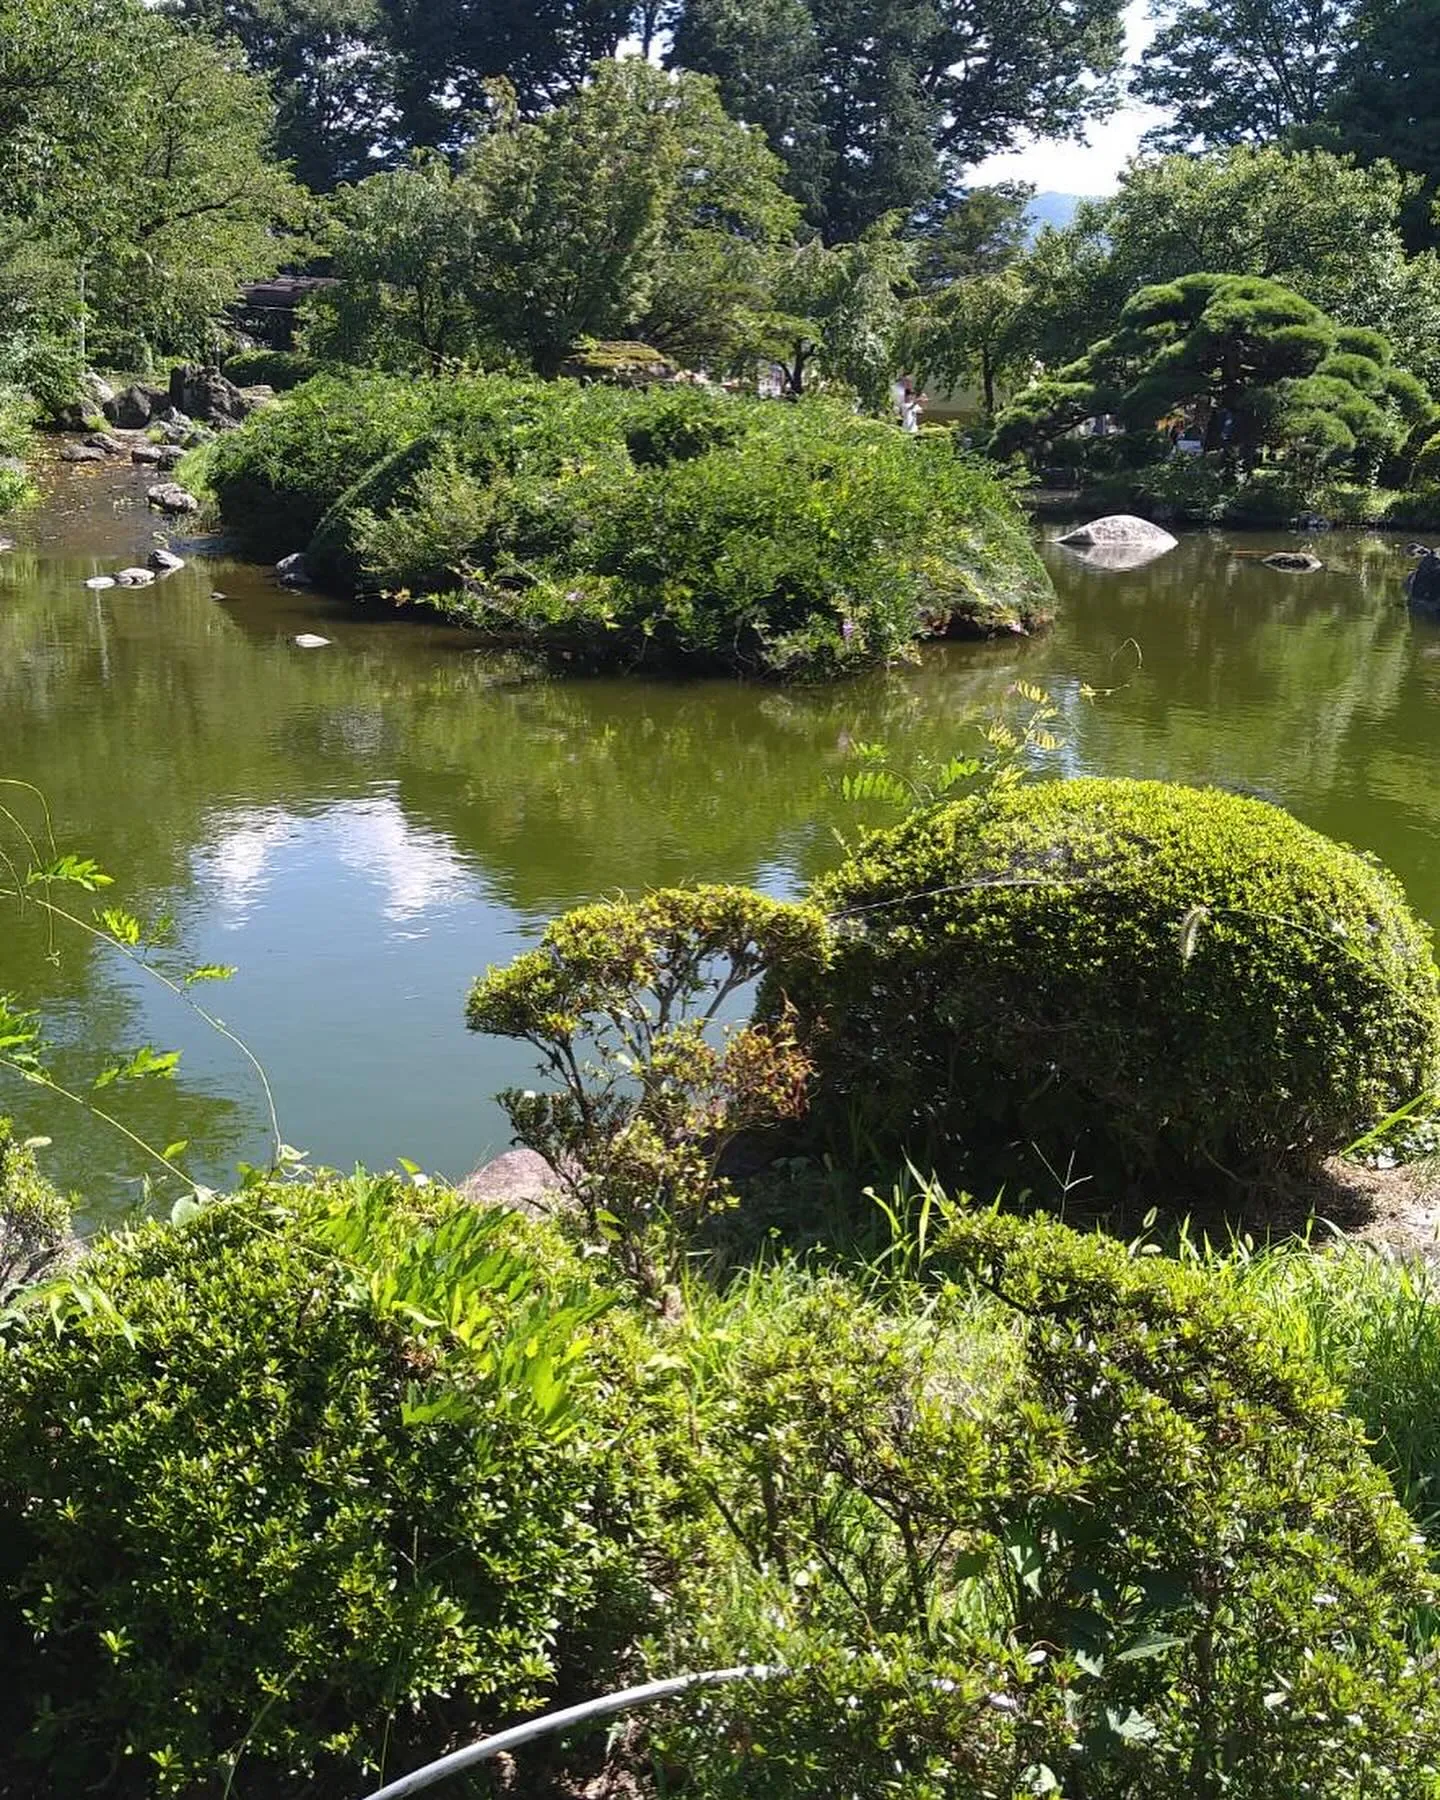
column 1118, row 528
column 135, row 578
column 307, row 640
column 100, row 581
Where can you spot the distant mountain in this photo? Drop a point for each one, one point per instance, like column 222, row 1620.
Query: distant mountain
column 1051, row 209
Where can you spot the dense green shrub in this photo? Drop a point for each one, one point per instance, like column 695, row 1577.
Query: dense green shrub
column 1137, row 975
column 34, row 1216
column 275, row 479
column 663, row 526
column 650, row 1089
column 278, row 369
column 298, row 1488
column 1078, row 1525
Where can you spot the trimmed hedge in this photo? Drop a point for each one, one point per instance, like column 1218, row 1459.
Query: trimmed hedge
column 665, row 527
column 1143, row 976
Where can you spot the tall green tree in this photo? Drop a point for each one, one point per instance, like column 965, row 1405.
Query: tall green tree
column 1241, row 71
column 878, row 106
column 635, row 207
column 1384, row 105
column 448, row 51
column 136, row 154
column 333, row 72
column 1317, row 222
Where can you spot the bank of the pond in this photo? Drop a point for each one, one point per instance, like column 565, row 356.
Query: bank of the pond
column 673, row 529
column 1181, row 497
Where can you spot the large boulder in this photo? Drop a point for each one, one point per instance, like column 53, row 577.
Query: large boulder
column 205, row 395
column 170, row 497
column 1119, row 528
column 133, row 409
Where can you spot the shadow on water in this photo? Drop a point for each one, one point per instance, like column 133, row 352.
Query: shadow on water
column 361, row 829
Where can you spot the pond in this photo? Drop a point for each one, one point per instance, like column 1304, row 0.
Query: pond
column 360, row 829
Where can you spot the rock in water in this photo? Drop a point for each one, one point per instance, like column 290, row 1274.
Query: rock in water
column 147, row 453
column 1298, row 562
column 1119, row 528
column 135, row 578
column 1422, row 585
column 293, row 570
column 82, row 453
column 101, row 581
column 166, row 562
column 170, row 497
column 307, row 640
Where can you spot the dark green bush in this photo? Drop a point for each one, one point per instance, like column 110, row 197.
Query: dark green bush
column 1077, row 1526
column 278, row 369
column 297, row 1489
column 663, row 526
column 1141, row 976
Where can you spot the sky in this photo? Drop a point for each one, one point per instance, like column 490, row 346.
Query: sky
column 1092, row 167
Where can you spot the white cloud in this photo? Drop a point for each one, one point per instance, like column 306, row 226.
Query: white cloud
column 1092, row 167
column 414, row 869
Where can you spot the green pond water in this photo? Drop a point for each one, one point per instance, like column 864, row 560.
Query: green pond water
column 360, row 829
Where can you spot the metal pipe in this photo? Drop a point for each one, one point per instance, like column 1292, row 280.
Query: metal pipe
column 548, row 1723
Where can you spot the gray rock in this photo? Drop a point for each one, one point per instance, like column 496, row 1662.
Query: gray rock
column 173, row 432
column 166, row 562
column 101, row 581
column 293, row 571
column 520, row 1178
column 1296, row 562
column 96, row 389
column 135, row 578
column 112, row 446
column 147, row 453
column 307, row 640
column 134, row 409
column 170, row 497
column 205, row 395
column 1119, row 528
column 82, row 453
column 1422, row 584
column 6, row 544
column 171, row 455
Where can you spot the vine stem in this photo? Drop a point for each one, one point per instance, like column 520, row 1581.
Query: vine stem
column 216, row 1024
column 37, row 1079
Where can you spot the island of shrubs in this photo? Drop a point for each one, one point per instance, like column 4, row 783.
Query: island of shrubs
column 325, row 1478
column 669, row 527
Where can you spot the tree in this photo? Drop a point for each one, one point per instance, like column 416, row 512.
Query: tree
column 877, row 106
column 968, row 325
column 838, row 313
column 1382, row 103
column 1248, row 361
column 973, row 332
column 1319, row 223
column 448, row 51
column 634, row 207
column 136, row 154
column 1241, row 71
column 403, row 252
column 332, row 71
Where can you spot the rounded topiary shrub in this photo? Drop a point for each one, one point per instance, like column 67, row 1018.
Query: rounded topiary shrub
column 1140, row 975
column 267, row 1525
